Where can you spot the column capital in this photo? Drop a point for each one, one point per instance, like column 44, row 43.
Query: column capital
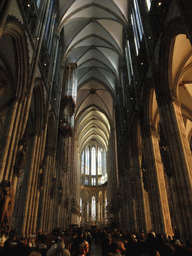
column 150, row 130
column 166, row 97
column 176, row 101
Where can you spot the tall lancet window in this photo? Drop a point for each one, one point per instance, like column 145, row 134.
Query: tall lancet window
column 81, row 205
column 93, row 161
column 87, row 162
column 148, row 4
column 38, row 3
column 93, row 209
column 82, row 162
column 99, row 162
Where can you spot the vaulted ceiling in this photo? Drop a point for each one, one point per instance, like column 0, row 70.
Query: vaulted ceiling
column 93, row 33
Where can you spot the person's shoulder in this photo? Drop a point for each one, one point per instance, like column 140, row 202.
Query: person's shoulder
column 66, row 252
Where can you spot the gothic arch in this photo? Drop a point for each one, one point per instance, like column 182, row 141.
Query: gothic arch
column 14, row 69
column 20, row 71
column 38, row 106
column 173, row 29
column 176, row 71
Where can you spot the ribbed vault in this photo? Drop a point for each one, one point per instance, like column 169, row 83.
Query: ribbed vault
column 93, row 31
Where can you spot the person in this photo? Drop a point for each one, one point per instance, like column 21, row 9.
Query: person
column 82, row 250
column 121, row 247
column 34, row 253
column 5, row 201
column 61, row 250
column 79, row 239
column 3, row 238
column 89, row 239
column 106, row 245
column 115, row 250
column 58, row 249
column 51, row 250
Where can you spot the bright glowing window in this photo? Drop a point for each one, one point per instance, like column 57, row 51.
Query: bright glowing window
column 99, row 162
column 87, row 162
column 148, row 4
column 49, row 19
column 82, row 162
column 129, row 61
column 93, row 181
column 137, row 26
column 86, row 181
column 135, row 32
column 93, row 209
column 38, row 3
column 138, row 19
column 93, row 161
column 93, row 164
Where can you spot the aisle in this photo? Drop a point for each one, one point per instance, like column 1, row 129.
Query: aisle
column 95, row 249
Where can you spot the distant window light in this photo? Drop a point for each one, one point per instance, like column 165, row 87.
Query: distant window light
column 137, row 25
column 99, row 162
column 48, row 20
column 86, row 181
column 129, row 61
column 38, row 3
column 148, row 4
column 93, row 161
column 82, row 162
column 135, row 32
column 93, row 209
column 87, row 162
column 138, row 19
column 93, row 181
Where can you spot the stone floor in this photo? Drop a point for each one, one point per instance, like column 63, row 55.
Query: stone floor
column 95, row 250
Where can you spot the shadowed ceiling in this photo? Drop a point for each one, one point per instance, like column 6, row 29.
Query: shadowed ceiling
column 93, row 31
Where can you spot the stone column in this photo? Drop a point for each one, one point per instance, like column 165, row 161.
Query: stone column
column 165, row 214
column 90, row 217
column 155, row 184
column 4, row 15
column 85, row 212
column 181, row 181
column 12, row 145
column 23, row 209
column 37, row 192
column 139, row 197
column 44, row 196
column 103, row 211
column 32, row 202
column 7, row 138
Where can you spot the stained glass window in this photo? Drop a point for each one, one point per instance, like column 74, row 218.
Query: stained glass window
column 86, row 181
column 93, row 209
column 99, row 162
column 82, row 162
column 38, row 3
column 93, row 161
column 148, row 4
column 87, row 161
column 93, row 181
column 137, row 26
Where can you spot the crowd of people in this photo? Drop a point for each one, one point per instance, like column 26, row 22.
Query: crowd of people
column 79, row 242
